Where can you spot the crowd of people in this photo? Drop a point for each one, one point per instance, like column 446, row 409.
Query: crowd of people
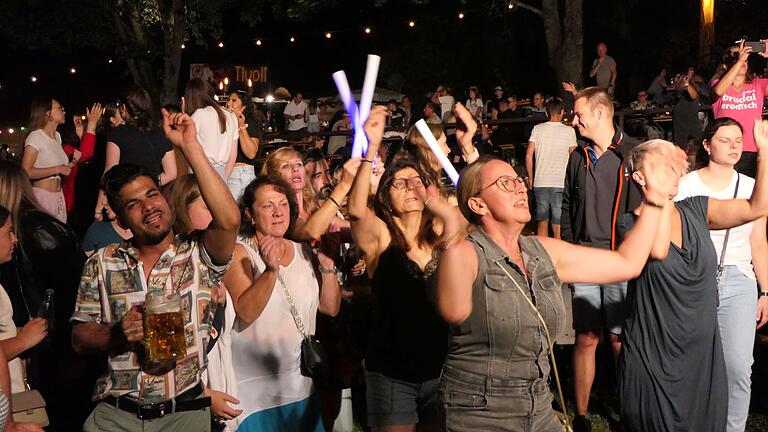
column 285, row 275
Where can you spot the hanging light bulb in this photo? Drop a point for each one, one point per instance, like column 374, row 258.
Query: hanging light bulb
column 258, row 42
column 183, row 46
column 221, row 44
column 250, row 83
column 221, row 85
column 226, row 81
column 367, row 30
column 293, row 39
column 461, row 15
column 328, row 35
column 72, row 71
column 33, row 79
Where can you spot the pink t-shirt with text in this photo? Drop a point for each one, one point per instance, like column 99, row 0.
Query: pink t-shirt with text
column 744, row 106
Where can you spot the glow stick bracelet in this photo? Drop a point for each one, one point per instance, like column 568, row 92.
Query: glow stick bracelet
column 423, row 129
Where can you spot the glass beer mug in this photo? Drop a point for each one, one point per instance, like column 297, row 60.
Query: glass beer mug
column 164, row 327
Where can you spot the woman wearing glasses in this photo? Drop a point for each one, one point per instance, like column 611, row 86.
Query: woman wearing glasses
column 408, row 339
column 496, row 373
column 44, row 158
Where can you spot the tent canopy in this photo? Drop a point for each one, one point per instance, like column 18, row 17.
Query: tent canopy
column 380, row 94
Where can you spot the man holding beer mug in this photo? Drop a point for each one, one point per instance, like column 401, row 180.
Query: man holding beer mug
column 153, row 381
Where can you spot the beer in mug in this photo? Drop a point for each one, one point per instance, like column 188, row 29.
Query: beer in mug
column 164, row 327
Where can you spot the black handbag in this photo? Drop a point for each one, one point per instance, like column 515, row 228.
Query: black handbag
column 314, row 362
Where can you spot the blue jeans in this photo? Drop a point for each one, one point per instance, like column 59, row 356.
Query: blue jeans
column 737, row 318
column 549, row 204
column 599, row 306
column 242, row 176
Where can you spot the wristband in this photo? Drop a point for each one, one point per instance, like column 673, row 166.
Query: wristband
column 327, row 270
column 366, row 160
column 334, row 201
column 762, row 294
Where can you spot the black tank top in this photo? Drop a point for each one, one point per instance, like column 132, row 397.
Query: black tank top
column 408, row 340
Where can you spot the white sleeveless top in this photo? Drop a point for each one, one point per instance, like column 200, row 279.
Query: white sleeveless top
column 266, row 354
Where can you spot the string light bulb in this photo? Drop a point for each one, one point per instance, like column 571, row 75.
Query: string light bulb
column 250, row 83
column 226, row 81
column 367, row 30
column 511, row 5
column 183, row 46
column 221, row 85
column 269, row 98
column 72, row 71
column 109, row 61
column 411, row 23
column 328, row 35
column 221, row 44
column 461, row 15
column 33, row 79
column 258, row 42
column 293, row 39
column 10, row 130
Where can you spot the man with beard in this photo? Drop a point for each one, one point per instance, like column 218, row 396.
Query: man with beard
column 135, row 394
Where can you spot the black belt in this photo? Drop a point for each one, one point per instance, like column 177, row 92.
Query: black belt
column 187, row 401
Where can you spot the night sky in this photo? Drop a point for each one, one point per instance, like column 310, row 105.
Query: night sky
column 484, row 49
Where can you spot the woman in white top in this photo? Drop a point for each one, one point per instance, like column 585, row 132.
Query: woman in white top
column 217, row 128
column 44, row 158
column 745, row 263
column 475, row 103
column 267, row 274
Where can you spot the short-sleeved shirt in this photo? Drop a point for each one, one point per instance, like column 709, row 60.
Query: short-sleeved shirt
column 292, row 109
column 603, row 75
column 552, row 141
column 739, row 249
column 140, row 148
column 114, row 280
column 744, row 106
column 49, row 150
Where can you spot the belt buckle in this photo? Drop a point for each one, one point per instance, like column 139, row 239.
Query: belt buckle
column 162, row 409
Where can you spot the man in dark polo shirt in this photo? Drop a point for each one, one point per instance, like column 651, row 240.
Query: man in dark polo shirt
column 598, row 189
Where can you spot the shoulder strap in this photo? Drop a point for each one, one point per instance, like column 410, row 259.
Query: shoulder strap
column 728, row 231
column 549, row 343
column 291, row 305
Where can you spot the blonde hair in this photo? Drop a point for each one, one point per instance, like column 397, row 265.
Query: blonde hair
column 652, row 148
column 470, row 184
column 424, row 156
column 15, row 190
column 271, row 168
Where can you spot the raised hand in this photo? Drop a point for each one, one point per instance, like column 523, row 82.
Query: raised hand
column 569, row 87
column 94, row 116
column 374, row 128
column 179, row 128
column 744, row 52
column 78, row 126
column 350, row 170
column 465, row 135
column 761, row 135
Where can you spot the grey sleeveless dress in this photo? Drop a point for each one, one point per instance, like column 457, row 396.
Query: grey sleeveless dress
column 671, row 367
column 496, row 373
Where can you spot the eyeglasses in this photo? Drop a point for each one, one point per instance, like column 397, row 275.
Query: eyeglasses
column 505, row 183
column 412, row 182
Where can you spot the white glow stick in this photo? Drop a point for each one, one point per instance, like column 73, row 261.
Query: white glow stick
column 345, row 93
column 360, row 143
column 423, row 129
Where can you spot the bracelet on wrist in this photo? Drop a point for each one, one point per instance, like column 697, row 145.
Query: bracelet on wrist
column 334, row 201
column 762, row 294
column 366, row 160
column 327, row 270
